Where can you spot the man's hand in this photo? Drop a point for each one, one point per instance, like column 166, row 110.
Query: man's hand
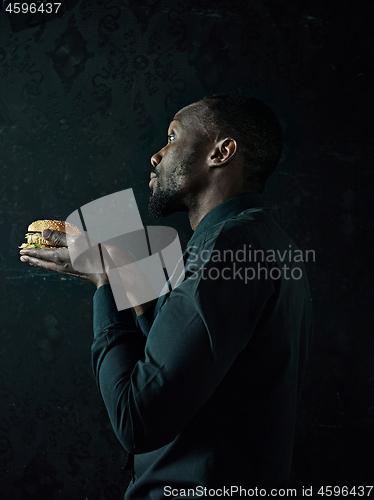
column 90, row 259
column 59, row 259
column 134, row 280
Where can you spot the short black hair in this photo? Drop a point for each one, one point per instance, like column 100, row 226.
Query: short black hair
column 256, row 129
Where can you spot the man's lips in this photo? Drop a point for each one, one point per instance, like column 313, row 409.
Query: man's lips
column 153, row 178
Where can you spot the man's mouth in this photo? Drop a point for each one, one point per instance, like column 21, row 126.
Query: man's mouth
column 153, row 179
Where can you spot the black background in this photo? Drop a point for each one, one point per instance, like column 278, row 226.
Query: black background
column 85, row 100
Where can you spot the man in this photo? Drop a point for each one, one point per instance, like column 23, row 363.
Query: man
column 203, row 387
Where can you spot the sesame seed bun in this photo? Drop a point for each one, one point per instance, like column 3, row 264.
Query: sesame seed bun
column 39, row 225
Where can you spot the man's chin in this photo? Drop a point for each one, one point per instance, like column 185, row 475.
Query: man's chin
column 157, row 210
column 162, row 203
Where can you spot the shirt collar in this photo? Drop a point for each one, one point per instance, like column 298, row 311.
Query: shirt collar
column 229, row 208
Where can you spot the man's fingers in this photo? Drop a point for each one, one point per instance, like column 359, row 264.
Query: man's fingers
column 43, row 254
column 44, row 264
column 56, row 237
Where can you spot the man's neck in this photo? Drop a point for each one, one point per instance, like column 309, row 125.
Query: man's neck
column 199, row 208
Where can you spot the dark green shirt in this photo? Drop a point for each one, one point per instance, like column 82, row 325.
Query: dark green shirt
column 204, row 389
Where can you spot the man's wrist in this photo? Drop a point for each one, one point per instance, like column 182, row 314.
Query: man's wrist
column 142, row 308
column 103, row 280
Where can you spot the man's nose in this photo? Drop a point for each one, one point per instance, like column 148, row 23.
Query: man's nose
column 156, row 158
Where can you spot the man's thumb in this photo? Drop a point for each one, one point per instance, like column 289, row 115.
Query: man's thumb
column 56, row 237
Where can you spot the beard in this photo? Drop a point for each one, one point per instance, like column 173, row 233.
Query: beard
column 164, row 202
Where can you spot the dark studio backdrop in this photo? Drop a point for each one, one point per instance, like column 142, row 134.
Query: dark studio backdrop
column 85, row 100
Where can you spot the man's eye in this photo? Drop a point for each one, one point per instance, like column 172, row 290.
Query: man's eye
column 171, row 137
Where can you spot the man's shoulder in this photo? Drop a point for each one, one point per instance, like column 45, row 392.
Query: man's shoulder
column 256, row 228
column 250, row 226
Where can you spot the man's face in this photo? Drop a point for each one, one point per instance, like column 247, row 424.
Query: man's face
column 180, row 167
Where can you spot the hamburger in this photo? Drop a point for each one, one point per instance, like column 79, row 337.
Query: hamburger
column 34, row 235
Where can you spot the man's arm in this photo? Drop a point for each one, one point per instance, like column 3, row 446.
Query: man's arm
column 143, row 389
column 152, row 394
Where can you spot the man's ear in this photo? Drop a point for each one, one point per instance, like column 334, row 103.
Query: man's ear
column 223, row 152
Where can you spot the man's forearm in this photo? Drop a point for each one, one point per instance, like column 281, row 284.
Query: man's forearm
column 117, row 347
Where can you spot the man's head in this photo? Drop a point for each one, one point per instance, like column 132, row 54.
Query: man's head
column 219, row 146
column 180, row 167
column 256, row 129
